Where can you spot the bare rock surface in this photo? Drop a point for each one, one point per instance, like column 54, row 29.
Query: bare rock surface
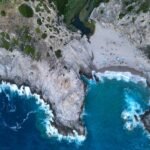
column 58, row 86
column 133, row 22
column 107, row 47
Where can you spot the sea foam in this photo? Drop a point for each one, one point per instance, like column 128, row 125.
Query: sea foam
column 125, row 76
column 132, row 112
column 51, row 131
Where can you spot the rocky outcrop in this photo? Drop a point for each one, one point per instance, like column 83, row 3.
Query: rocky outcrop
column 60, row 87
column 145, row 118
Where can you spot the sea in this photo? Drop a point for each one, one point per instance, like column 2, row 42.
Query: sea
column 111, row 116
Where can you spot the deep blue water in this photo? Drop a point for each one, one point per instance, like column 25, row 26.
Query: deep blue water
column 22, row 119
column 80, row 25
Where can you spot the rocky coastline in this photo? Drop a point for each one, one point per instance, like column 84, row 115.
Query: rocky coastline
column 54, row 86
column 64, row 128
column 58, row 80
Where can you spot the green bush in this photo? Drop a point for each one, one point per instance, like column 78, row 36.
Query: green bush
column 5, row 40
column 44, row 36
column 26, row 10
column 39, row 22
column 3, row 13
column 58, row 53
column 29, row 50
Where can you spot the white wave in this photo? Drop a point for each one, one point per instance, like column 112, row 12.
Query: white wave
column 15, row 128
column 126, row 76
column 27, row 116
column 51, row 130
column 131, row 114
column 84, row 113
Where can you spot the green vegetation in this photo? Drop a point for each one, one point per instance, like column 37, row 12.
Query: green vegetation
column 144, row 7
column 23, row 41
column 72, row 9
column 3, row 4
column 37, row 30
column 39, row 22
column 29, row 50
column 3, row 13
column 77, row 8
column 44, row 36
column 134, row 6
column 26, row 10
column 24, row 35
column 26, row 41
column 90, row 25
column 61, row 5
column 58, row 53
column 5, row 40
column 3, row 1
column 40, row 7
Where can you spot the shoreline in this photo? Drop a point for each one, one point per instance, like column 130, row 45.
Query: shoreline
column 113, row 68
column 62, row 88
column 58, row 80
column 122, row 69
column 57, row 85
column 144, row 118
column 63, row 131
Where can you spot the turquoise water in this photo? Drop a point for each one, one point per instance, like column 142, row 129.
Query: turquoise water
column 105, row 102
column 112, row 109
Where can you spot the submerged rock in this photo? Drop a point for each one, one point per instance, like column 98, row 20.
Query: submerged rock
column 145, row 118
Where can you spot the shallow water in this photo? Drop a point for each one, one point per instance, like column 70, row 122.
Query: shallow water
column 109, row 116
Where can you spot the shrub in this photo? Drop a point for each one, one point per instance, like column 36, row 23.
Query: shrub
column 39, row 22
column 58, row 53
column 26, row 10
column 3, row 13
column 44, row 36
column 29, row 50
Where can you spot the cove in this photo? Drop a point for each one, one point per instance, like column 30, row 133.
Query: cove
column 110, row 109
column 111, row 117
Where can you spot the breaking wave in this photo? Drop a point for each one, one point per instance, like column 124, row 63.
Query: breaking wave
column 125, row 76
column 132, row 112
column 111, row 115
column 44, row 115
column 133, row 109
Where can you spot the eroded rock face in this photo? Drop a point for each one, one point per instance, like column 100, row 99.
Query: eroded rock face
column 128, row 18
column 59, row 86
column 145, row 118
